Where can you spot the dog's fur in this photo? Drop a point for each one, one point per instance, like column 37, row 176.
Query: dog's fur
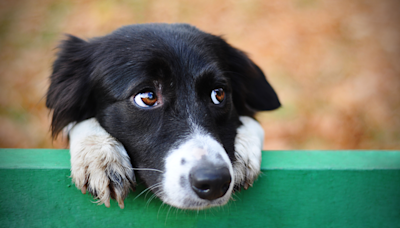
column 97, row 88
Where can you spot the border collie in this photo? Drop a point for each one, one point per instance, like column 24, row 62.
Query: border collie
column 167, row 102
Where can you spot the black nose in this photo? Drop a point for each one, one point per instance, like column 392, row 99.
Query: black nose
column 209, row 181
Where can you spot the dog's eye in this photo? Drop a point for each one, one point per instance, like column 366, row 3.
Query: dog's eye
column 217, row 96
column 146, row 99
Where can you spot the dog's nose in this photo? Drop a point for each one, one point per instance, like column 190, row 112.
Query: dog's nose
column 210, row 181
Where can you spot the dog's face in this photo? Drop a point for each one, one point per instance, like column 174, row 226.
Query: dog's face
column 172, row 95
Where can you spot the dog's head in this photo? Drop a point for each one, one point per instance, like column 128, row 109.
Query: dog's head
column 172, row 95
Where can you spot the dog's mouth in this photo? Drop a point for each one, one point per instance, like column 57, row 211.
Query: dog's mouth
column 198, row 174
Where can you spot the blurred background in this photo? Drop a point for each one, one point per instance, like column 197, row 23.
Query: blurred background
column 335, row 64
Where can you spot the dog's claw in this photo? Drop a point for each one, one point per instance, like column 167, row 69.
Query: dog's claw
column 83, row 189
column 107, row 203
column 121, row 205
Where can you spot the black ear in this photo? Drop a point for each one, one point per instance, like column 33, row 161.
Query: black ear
column 69, row 94
column 251, row 90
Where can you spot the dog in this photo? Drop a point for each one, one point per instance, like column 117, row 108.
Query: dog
column 167, row 102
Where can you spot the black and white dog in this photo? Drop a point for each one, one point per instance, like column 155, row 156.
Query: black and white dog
column 169, row 101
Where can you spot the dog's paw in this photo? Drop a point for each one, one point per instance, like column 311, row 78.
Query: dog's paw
column 99, row 163
column 248, row 146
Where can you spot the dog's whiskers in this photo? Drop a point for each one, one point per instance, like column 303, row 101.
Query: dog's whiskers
column 150, row 199
column 147, row 169
column 148, row 189
column 162, row 204
column 166, row 217
column 153, row 187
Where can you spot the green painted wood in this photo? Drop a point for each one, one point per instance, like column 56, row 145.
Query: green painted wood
column 34, row 159
column 297, row 189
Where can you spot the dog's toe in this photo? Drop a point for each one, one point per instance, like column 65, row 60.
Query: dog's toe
column 120, row 185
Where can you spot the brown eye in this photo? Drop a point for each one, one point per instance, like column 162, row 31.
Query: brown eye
column 146, row 99
column 217, row 96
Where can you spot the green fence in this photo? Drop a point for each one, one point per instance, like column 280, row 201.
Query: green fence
column 297, row 189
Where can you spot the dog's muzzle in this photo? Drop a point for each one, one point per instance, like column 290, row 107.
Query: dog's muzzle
column 198, row 174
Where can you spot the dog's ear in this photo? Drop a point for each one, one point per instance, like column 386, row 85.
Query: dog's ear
column 251, row 90
column 69, row 94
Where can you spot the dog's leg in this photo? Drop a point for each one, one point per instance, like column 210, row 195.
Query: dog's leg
column 99, row 163
column 248, row 145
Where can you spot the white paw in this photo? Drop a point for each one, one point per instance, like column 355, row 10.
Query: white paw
column 248, row 145
column 99, row 163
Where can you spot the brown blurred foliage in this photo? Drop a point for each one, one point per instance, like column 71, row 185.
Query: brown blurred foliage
column 334, row 63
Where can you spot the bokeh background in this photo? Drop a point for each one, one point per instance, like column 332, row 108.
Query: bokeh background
column 334, row 63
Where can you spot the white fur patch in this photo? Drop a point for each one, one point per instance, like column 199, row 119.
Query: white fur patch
column 99, row 161
column 248, row 145
column 176, row 186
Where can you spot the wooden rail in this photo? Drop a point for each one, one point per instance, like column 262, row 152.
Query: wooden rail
column 297, row 189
